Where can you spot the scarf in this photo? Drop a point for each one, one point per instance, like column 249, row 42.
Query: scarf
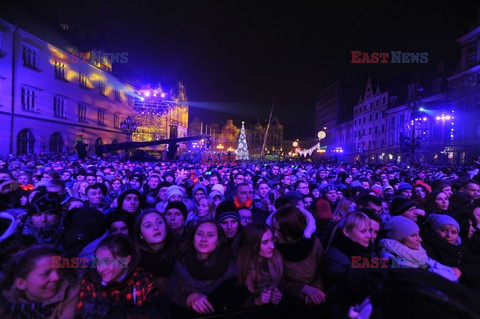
column 28, row 187
column 34, row 310
column 296, row 251
column 211, row 269
column 248, row 204
column 51, row 234
column 408, row 257
column 351, row 248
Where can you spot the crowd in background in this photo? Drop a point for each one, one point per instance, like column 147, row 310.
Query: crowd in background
column 122, row 239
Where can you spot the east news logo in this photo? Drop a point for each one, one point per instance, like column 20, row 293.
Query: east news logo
column 389, row 57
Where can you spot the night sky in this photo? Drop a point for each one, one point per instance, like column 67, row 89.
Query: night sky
column 238, row 56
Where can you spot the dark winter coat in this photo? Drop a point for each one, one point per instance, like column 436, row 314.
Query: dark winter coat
column 302, row 265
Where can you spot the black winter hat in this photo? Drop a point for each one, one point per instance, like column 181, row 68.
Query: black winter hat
column 400, row 205
column 226, row 209
column 178, row 205
column 45, row 202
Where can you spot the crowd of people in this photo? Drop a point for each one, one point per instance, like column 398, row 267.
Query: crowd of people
column 96, row 238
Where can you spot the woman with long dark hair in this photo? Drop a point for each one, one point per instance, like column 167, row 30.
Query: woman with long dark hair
column 437, row 203
column 260, row 265
column 205, row 276
column 156, row 246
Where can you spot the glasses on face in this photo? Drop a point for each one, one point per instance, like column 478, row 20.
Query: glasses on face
column 246, row 218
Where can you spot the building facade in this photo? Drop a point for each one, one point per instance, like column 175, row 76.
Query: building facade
column 48, row 99
column 369, row 123
column 465, row 94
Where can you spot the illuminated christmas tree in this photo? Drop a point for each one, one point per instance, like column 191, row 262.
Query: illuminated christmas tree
column 242, row 149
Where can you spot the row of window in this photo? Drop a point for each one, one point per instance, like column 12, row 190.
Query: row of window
column 26, row 142
column 370, row 146
column 359, row 121
column 365, row 107
column 357, row 133
column 30, row 59
column 29, row 104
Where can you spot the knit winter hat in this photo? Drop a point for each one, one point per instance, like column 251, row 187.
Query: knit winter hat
column 121, row 197
column 437, row 221
column 178, row 205
column 219, row 188
column 400, row 205
column 325, row 188
column 175, row 190
column 44, row 203
column 226, row 209
column 355, row 183
column 214, row 193
column 199, row 186
column 137, row 177
column 403, row 187
column 293, row 194
column 399, row 228
column 387, row 187
column 377, row 189
column 323, row 209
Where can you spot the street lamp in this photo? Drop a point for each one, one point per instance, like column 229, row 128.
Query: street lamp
column 128, row 127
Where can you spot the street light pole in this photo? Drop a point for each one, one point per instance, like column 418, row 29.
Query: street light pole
column 413, row 98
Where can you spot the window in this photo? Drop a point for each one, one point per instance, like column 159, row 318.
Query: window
column 30, row 57
column 131, row 101
column 56, row 143
column 116, row 120
column 363, row 132
column 383, row 143
column 60, row 70
column 82, row 112
column 364, row 119
column 376, row 116
column 101, row 87
column 101, row 117
column 29, row 99
column 392, row 122
column 383, row 128
column 118, row 96
column 83, row 79
column 402, row 119
column 25, row 142
column 370, row 118
column 369, row 130
column 59, row 106
column 376, row 129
